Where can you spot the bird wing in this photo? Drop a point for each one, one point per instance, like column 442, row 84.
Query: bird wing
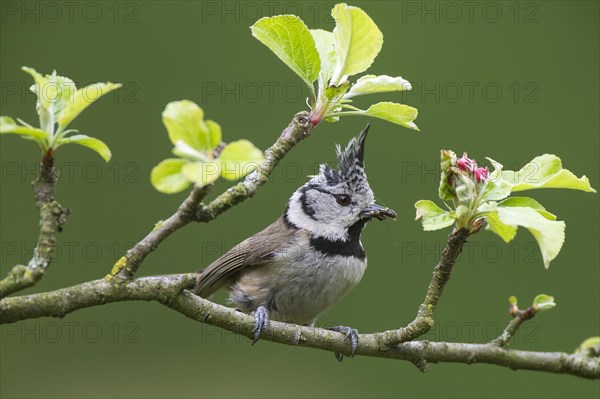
column 254, row 251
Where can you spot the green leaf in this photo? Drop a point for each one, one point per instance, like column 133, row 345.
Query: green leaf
column 590, row 347
column 433, row 217
column 400, row 114
column 358, row 40
column 9, row 126
column 333, row 93
column 324, row 42
column 167, row 178
column 90, row 142
column 201, row 173
column 545, row 171
column 495, row 190
column 82, row 99
column 543, row 302
column 369, row 84
column 506, row 232
column 288, row 37
column 39, row 87
column 184, row 120
column 184, row 150
column 447, row 159
column 53, row 93
column 528, row 202
column 512, row 300
column 214, row 131
column 495, row 187
column 239, row 158
column 549, row 234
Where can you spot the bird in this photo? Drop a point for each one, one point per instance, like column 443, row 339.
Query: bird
column 310, row 257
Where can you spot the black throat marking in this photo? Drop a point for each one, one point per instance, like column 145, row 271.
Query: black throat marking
column 350, row 247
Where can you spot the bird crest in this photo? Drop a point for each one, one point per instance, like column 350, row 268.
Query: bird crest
column 351, row 166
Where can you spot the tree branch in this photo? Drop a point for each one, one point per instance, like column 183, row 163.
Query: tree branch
column 519, row 316
column 171, row 291
column 193, row 210
column 298, row 129
column 126, row 267
column 441, row 274
column 52, row 217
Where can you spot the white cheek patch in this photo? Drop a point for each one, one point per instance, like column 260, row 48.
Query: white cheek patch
column 298, row 217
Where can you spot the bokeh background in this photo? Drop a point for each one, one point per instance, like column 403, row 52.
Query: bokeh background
column 509, row 80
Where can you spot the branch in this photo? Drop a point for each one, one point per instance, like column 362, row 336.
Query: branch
column 193, row 210
column 298, row 129
column 519, row 316
column 52, row 217
column 171, row 291
column 126, row 267
column 441, row 274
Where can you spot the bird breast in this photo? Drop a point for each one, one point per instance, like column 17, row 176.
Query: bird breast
column 297, row 286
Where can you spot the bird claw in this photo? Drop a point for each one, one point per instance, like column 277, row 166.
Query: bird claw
column 261, row 322
column 352, row 335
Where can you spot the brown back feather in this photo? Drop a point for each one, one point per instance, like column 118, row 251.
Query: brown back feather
column 254, row 251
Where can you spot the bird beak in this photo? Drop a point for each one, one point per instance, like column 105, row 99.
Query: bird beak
column 377, row 211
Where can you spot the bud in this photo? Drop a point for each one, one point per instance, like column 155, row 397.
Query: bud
column 466, row 164
column 481, row 174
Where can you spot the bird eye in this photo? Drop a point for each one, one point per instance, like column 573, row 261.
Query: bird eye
column 343, row 199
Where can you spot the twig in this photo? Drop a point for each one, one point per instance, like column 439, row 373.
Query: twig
column 126, row 267
column 193, row 210
column 519, row 316
column 441, row 274
column 52, row 217
column 171, row 291
column 298, row 129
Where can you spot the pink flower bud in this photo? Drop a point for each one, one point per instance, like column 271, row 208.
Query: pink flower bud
column 466, row 164
column 481, row 174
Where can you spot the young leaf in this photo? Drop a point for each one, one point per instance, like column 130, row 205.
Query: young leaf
column 201, row 173
column 543, row 302
column 433, row 217
column 528, row 202
column 504, row 231
column 545, row 171
column 166, row 177
column 590, row 347
column 60, row 92
column 8, row 125
column 184, row 120
column 288, row 37
column 90, row 142
column 334, row 93
column 495, row 187
column 214, row 131
column 239, row 158
column 325, row 47
column 445, row 191
column 369, row 84
column 549, row 234
column 495, row 190
column 41, row 82
column 82, row 99
column 184, row 150
column 358, row 40
column 400, row 114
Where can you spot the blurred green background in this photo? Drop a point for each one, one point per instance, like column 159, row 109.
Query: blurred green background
column 509, row 80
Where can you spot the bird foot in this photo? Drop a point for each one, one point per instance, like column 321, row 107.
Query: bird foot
column 351, row 334
column 261, row 322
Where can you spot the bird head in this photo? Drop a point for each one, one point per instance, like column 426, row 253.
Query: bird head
column 335, row 200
